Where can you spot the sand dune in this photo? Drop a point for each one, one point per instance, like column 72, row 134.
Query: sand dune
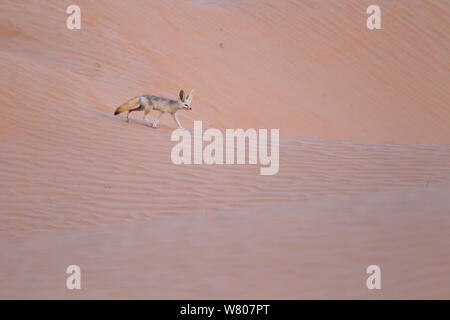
column 118, row 183
column 312, row 69
column 303, row 249
column 364, row 122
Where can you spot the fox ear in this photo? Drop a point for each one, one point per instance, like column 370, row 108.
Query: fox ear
column 182, row 95
column 190, row 96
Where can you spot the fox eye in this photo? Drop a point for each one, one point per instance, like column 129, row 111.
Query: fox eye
column 186, row 105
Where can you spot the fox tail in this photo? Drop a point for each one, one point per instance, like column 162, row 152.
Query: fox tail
column 130, row 104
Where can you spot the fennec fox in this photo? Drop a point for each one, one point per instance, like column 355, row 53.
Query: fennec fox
column 148, row 103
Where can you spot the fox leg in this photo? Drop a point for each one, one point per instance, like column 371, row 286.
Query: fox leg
column 146, row 112
column 131, row 110
column 155, row 122
column 174, row 116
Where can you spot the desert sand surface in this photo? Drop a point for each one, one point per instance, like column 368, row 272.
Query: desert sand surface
column 364, row 176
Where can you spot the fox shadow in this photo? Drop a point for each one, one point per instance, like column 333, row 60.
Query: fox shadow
column 136, row 121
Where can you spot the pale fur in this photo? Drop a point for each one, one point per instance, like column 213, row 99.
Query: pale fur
column 148, row 103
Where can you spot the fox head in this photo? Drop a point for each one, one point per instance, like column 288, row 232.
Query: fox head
column 185, row 101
